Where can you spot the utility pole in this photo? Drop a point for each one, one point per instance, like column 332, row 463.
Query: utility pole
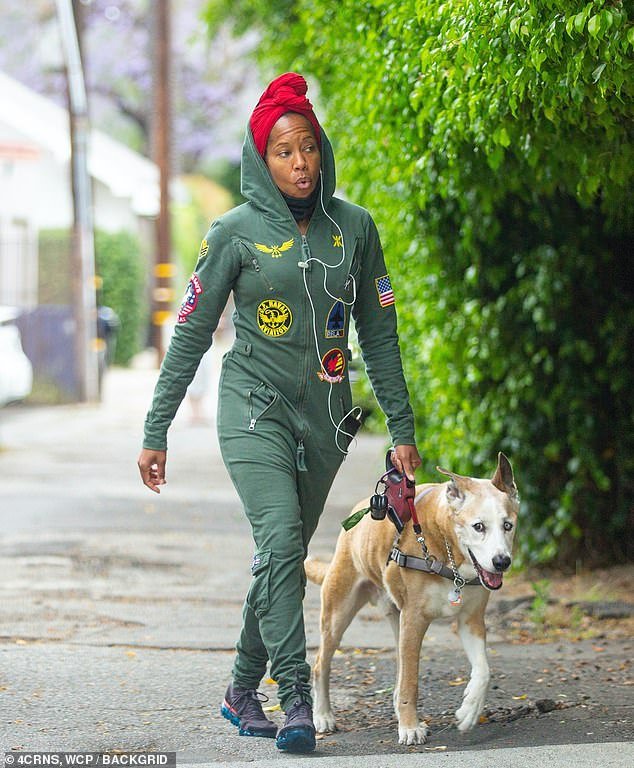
column 162, row 294
column 83, row 254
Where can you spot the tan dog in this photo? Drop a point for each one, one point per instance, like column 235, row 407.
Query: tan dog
column 476, row 519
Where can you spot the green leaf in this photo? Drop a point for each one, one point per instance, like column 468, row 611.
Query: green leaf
column 597, row 72
column 594, row 25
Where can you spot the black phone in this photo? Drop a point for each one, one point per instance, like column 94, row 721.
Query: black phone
column 352, row 423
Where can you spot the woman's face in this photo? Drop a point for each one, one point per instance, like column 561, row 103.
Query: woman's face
column 292, row 155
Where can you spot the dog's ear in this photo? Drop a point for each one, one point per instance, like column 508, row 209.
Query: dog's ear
column 455, row 494
column 503, row 478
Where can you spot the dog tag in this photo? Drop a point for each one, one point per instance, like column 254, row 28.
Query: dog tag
column 455, row 596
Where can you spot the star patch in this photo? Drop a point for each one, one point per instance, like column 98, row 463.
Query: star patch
column 384, row 289
column 336, row 321
column 276, row 250
column 333, row 364
column 274, row 317
column 204, row 249
column 190, row 299
column 336, row 241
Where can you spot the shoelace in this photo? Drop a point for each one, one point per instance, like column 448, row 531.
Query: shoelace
column 300, row 710
column 251, row 702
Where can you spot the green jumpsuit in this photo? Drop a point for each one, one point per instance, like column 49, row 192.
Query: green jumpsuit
column 284, row 389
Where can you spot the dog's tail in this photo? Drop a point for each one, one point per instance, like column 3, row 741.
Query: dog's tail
column 316, row 570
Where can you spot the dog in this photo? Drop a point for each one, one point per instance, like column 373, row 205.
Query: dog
column 469, row 521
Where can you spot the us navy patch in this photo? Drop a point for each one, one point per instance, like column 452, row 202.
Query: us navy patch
column 274, row 317
column 336, row 321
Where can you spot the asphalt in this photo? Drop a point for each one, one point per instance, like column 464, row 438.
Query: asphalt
column 119, row 610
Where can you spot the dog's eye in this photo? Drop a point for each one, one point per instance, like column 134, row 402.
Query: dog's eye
column 508, row 526
column 479, row 527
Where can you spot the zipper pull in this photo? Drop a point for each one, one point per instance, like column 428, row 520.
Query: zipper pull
column 252, row 425
column 305, row 263
column 300, row 457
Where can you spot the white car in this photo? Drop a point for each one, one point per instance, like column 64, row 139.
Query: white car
column 16, row 371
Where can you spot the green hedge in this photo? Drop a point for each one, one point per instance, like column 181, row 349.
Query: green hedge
column 492, row 141
column 123, row 283
column 119, row 263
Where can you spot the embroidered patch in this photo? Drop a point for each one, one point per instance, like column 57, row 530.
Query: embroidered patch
column 190, row 299
column 276, row 250
column 333, row 364
column 384, row 289
column 336, row 241
column 336, row 321
column 204, row 249
column 274, row 317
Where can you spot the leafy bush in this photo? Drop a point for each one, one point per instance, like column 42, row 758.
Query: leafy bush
column 492, row 143
column 119, row 264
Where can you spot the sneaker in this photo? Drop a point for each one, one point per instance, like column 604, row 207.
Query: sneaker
column 298, row 732
column 243, row 707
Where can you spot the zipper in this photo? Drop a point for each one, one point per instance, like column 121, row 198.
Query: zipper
column 256, row 266
column 253, row 420
column 303, row 384
column 258, row 269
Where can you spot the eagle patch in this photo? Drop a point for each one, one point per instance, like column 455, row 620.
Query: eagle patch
column 276, row 250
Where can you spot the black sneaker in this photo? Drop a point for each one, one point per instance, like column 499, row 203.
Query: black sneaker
column 243, row 707
column 298, row 732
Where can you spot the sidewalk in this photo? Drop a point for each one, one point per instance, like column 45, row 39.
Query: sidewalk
column 120, row 610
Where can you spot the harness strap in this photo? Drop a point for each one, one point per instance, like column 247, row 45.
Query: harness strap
column 430, row 565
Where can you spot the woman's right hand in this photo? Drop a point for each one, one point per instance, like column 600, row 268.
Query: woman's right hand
column 152, row 468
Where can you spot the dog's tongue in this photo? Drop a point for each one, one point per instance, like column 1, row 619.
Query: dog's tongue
column 491, row 580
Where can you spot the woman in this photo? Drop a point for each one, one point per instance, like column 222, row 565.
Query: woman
column 299, row 261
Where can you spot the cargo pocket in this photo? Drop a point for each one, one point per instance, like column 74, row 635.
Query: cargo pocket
column 258, row 597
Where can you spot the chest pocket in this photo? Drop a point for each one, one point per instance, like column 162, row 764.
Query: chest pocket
column 351, row 280
column 251, row 260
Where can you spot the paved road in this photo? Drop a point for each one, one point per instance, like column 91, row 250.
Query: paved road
column 120, row 609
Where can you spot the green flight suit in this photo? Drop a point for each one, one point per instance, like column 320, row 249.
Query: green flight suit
column 284, row 387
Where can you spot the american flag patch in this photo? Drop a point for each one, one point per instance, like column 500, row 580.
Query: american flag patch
column 384, row 289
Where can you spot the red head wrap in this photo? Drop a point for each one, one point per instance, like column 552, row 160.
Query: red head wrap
column 287, row 93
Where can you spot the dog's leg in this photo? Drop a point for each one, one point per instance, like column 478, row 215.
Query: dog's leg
column 412, row 631
column 391, row 613
column 335, row 619
column 472, row 633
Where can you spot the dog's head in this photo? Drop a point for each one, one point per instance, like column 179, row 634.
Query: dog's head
column 484, row 515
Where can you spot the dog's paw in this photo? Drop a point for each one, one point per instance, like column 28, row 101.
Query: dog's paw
column 467, row 716
column 413, row 735
column 324, row 722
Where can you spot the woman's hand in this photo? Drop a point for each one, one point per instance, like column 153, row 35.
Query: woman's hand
column 406, row 459
column 152, row 468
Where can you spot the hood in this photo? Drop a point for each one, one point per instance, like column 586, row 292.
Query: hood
column 258, row 187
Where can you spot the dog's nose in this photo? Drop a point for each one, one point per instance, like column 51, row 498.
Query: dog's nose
column 501, row 562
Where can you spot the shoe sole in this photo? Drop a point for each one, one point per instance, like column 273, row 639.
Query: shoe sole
column 235, row 720
column 298, row 739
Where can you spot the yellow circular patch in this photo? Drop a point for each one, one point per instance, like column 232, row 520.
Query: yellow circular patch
column 274, row 317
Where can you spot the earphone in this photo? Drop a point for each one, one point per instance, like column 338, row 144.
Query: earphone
column 304, row 266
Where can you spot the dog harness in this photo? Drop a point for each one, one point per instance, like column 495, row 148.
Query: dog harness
column 398, row 502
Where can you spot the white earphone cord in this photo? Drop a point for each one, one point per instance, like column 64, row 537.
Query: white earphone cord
column 336, row 425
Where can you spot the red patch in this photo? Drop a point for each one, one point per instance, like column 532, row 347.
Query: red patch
column 190, row 300
column 333, row 364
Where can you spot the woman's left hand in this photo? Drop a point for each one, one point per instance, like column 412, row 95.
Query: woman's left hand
column 406, row 459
